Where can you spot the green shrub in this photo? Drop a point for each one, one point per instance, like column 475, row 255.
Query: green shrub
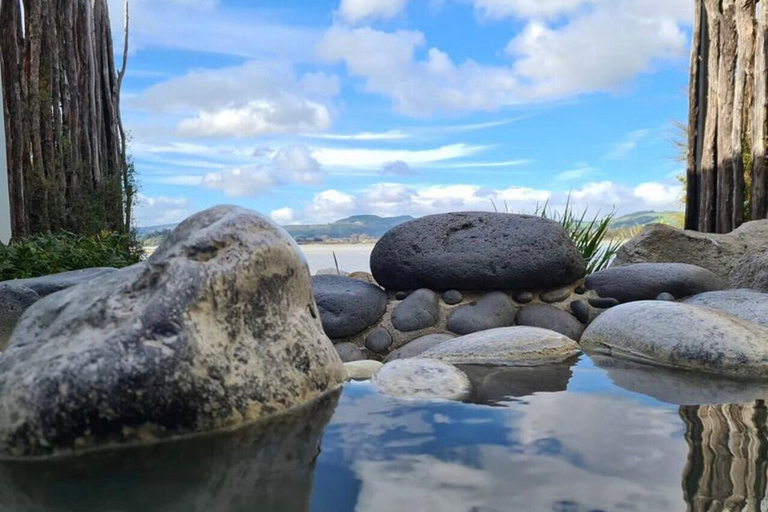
column 41, row 255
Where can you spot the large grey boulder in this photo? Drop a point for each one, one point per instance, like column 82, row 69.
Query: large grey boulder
column 552, row 318
column 645, row 281
column 748, row 305
column 218, row 328
column 14, row 301
column 490, row 311
column 476, row 251
column 422, row 379
column 751, row 271
column 347, row 306
column 417, row 311
column 419, row 345
column 680, row 335
column 53, row 283
column 524, row 346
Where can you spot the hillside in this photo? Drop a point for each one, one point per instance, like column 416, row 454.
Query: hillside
column 369, row 226
column 675, row 219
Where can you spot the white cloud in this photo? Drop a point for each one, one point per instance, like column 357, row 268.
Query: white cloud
column 376, row 158
column 153, row 211
column 577, row 173
column 657, row 194
column 364, row 136
column 283, row 215
column 298, row 165
column 356, row 11
column 241, row 182
column 494, row 9
column 329, row 205
column 397, row 168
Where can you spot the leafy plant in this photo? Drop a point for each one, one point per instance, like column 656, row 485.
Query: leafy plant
column 40, row 255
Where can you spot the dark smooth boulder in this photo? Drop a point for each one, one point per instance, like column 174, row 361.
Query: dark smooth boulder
column 476, row 251
column 347, row 306
column 645, row 281
column 490, row 311
column 53, row 283
column 549, row 317
column 419, row 310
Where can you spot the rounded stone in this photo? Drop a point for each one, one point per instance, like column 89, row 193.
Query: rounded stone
column 422, row 379
column 419, row 345
column 46, row 285
column 476, row 251
column 361, row 370
column 558, row 295
column 603, row 303
column 401, row 295
column 378, row 340
column 581, row 311
column 666, row 296
column 14, row 301
column 644, row 281
column 552, row 318
column 490, row 311
column 349, row 352
column 523, row 297
column 506, row 346
column 680, row 335
column 347, row 306
column 453, row 297
column 418, row 311
column 749, row 305
column 218, row 328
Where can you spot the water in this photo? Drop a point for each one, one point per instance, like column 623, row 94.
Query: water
column 351, row 257
column 573, row 437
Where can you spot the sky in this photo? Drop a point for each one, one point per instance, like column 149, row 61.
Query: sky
column 313, row 110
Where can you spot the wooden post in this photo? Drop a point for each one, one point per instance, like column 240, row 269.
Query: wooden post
column 759, row 205
column 5, row 201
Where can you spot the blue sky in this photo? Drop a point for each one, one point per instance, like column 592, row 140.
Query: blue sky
column 312, row 110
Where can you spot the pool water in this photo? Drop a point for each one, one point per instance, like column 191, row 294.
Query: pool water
column 593, row 435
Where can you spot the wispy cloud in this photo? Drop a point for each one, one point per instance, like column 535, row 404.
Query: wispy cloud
column 578, row 173
column 627, row 145
column 376, row 158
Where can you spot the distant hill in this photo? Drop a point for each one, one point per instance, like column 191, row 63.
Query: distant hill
column 370, row 226
column 674, row 219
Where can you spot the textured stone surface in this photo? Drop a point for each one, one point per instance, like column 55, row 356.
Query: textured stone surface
column 216, row 329
column 552, row 318
column 476, row 251
column 644, row 281
column 349, row 352
column 453, row 297
column 361, row 370
column 47, row 285
column 558, row 295
column 378, row 340
column 523, row 297
column 749, row 305
column 751, row 271
column 493, row 310
column 508, row 345
column 347, row 306
column 419, row 310
column 14, row 301
column 419, row 346
column 422, row 378
column 680, row 335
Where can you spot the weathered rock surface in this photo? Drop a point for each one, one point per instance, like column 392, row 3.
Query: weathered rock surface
column 349, row 352
column 347, row 306
column 680, row 335
column 552, row 318
column 476, row 251
column 751, row 271
column 362, row 370
column 47, row 285
column 525, row 346
column 645, row 281
column 14, row 301
column 378, row 340
column 749, row 305
column 216, row 329
column 422, row 378
column 720, row 254
column 419, row 310
column 490, row 311
column 419, row 346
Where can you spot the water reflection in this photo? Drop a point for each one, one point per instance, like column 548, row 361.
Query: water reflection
column 493, row 385
column 262, row 468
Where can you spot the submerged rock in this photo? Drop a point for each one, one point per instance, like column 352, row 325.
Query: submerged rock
column 419, row 345
column 526, row 346
column 645, row 281
column 14, row 301
column 418, row 311
column 216, row 329
column 549, row 317
column 53, row 283
column 422, row 378
column 490, row 311
column 476, row 251
column 494, row 384
column 347, row 306
column 749, row 305
column 680, row 335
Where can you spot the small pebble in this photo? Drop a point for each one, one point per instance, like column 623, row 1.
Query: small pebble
column 666, row 297
column 580, row 309
column 378, row 340
column 401, row 295
column 604, row 303
column 581, row 289
column 349, row 352
column 555, row 295
column 452, row 297
column 523, row 297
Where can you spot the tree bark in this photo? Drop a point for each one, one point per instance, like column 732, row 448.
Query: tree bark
column 698, row 80
column 709, row 158
column 759, row 132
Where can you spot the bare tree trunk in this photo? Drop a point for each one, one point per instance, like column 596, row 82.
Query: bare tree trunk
column 709, row 158
column 759, row 132
column 725, row 96
column 698, row 80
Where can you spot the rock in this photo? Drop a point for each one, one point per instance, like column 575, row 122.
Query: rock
column 493, row 310
column 751, row 271
column 581, row 289
column 347, row 306
column 401, row 295
column 680, row 335
column 453, row 297
column 217, row 329
column 419, row 346
column 549, row 317
column 330, row 271
column 14, row 301
column 422, row 378
column 581, row 311
column 523, row 297
column 378, row 340
column 749, row 305
column 525, row 346
column 644, row 281
column 361, row 370
column 720, row 254
column 47, row 285
column 666, row 296
column 349, row 352
column 366, row 277
column 558, row 295
column 476, row 251
column 419, row 310
column 603, row 303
